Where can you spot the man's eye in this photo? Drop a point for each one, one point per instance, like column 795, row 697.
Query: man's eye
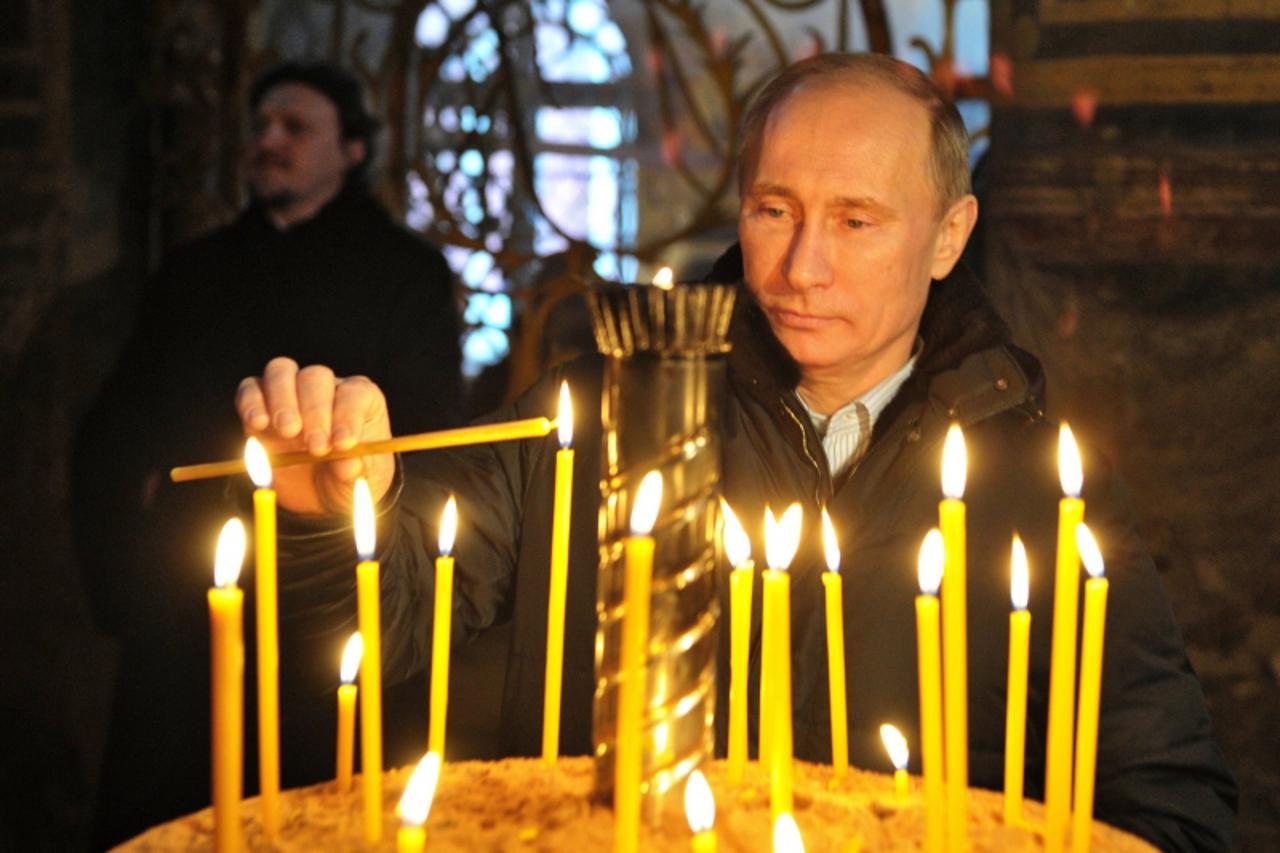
column 856, row 223
column 774, row 212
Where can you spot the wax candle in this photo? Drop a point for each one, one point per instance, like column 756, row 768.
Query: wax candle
column 265, row 588
column 559, row 579
column 700, row 811
column 1016, row 696
column 786, row 835
column 738, row 549
column 1062, row 672
column 896, row 745
column 226, row 613
column 951, row 517
column 781, row 539
column 415, row 804
column 1095, row 619
column 347, row 692
column 628, row 766
column 928, row 654
column 441, row 629
column 834, row 589
column 369, row 610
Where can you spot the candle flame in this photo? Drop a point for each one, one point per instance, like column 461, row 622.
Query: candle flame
column 782, row 537
column 352, row 652
column 230, row 553
column 736, row 544
column 415, row 802
column 1070, row 471
column 1019, row 586
column 648, row 498
column 953, row 463
column 448, row 526
column 564, row 417
column 1090, row 555
column 896, row 745
column 929, row 564
column 257, row 463
column 366, row 523
column 664, row 279
column 786, row 835
column 830, row 544
column 699, row 803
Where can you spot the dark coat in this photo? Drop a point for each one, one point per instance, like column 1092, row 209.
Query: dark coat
column 347, row 288
column 1160, row 774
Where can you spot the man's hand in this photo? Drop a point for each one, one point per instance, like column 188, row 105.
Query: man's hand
column 310, row 409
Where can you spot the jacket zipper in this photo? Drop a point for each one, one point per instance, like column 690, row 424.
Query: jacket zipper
column 804, row 444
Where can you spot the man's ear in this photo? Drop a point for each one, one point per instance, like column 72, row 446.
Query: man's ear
column 354, row 151
column 953, row 233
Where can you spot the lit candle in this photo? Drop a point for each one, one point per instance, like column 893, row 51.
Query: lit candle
column 738, row 548
column 929, row 573
column 415, row 804
column 786, row 835
column 351, row 655
column 834, row 589
column 1095, row 619
column 896, row 745
column 955, row 636
column 441, row 628
column 1062, row 672
column 226, row 613
column 264, row 529
column 634, row 653
column 700, row 811
column 664, row 279
column 367, row 586
column 781, row 538
column 1016, row 710
column 559, row 580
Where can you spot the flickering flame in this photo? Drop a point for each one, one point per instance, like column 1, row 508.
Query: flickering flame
column 257, row 463
column 448, row 526
column 1090, row 555
column 953, row 464
column 830, row 545
column 699, row 803
column 1070, row 472
column 929, row 565
column 352, row 652
column 229, row 554
column 415, row 802
column 664, row 279
column 782, row 537
column 366, row 524
column 648, row 499
column 896, row 745
column 736, row 544
column 1019, row 586
column 564, row 417
column 786, row 835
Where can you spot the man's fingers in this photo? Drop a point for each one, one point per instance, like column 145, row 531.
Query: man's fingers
column 280, row 390
column 359, row 412
column 315, row 405
column 250, row 405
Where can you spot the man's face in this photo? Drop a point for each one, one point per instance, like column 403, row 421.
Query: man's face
column 297, row 159
column 839, row 231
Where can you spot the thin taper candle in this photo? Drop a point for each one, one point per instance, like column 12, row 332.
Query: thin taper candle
column 415, row 804
column 833, row 587
column 226, row 623
column 369, row 610
column 1095, row 621
column 951, row 521
column 929, row 659
column 741, row 578
column 347, row 694
column 442, row 629
column 781, row 539
column 1016, row 696
column 559, row 583
column 268, row 646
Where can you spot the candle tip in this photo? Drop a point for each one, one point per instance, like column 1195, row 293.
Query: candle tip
column 1019, row 587
column 415, row 802
column 365, row 522
column 448, row 526
column 648, row 498
column 930, row 563
column 699, row 803
column 830, row 544
column 737, row 545
column 257, row 463
column 954, row 464
column 230, row 553
column 564, row 417
column 1070, row 469
column 352, row 652
column 896, row 745
column 1090, row 554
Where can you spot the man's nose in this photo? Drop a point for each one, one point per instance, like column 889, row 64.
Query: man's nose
column 807, row 264
column 269, row 135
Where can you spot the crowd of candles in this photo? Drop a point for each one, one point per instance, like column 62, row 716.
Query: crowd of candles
column 941, row 644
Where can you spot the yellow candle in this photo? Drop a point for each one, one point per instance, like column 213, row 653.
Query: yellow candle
column 738, row 548
column 1016, row 697
column 951, row 513
column 367, row 591
column 700, row 811
column 415, row 804
column 347, row 711
column 786, row 835
column 1095, row 619
column 441, row 629
column 929, row 652
column 896, row 745
column 264, row 528
column 1062, row 673
column 781, row 538
column 834, row 588
column 559, row 580
column 226, row 614
column 628, row 767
